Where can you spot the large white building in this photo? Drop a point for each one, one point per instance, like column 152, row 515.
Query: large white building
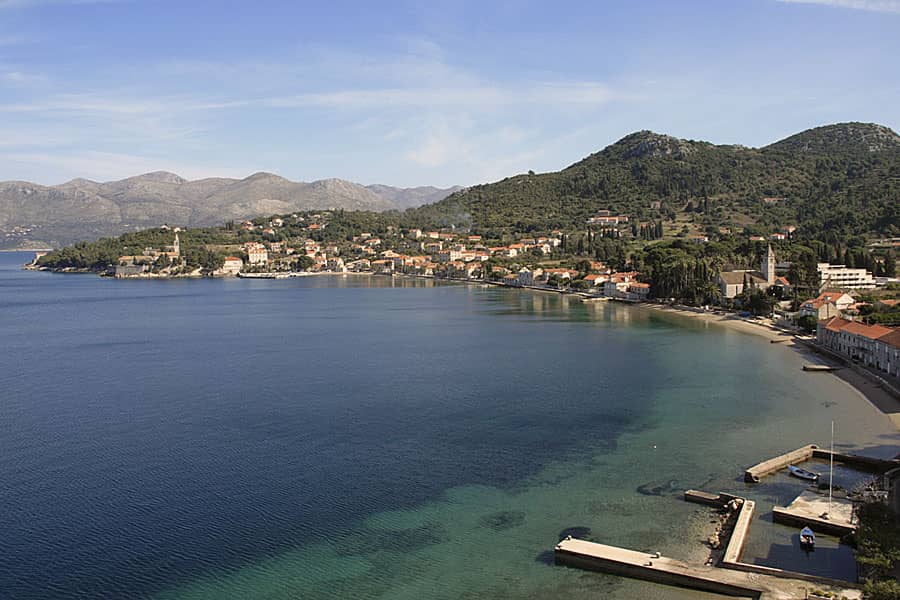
column 232, row 265
column 875, row 346
column 839, row 277
column 257, row 254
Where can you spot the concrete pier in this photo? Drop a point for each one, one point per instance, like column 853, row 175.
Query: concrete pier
column 739, row 535
column 808, row 508
column 669, row 571
column 767, row 467
column 864, row 463
column 699, row 497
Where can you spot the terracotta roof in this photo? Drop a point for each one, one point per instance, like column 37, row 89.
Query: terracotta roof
column 873, row 332
column 830, row 296
column 817, row 304
column 891, row 339
column 836, row 324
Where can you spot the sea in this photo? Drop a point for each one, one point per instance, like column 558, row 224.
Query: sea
column 371, row 437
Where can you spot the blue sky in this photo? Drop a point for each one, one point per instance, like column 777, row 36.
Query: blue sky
column 421, row 93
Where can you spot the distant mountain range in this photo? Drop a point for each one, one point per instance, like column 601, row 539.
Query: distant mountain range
column 33, row 215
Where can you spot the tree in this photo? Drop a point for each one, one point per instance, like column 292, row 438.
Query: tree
column 890, row 264
column 807, row 323
column 580, row 284
column 583, row 266
column 303, row 263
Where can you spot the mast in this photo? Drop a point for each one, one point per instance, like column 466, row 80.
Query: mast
column 831, row 469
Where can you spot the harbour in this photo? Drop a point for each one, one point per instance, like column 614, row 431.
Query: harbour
column 725, row 572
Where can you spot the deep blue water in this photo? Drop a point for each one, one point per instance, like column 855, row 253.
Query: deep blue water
column 161, row 436
column 180, row 426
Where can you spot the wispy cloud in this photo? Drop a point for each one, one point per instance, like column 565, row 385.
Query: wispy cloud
column 432, row 114
column 11, row 77
column 882, row 6
column 482, row 96
column 34, row 3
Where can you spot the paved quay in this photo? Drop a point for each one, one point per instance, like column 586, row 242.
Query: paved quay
column 661, row 569
column 812, row 509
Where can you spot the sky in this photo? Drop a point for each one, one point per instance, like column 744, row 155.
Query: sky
column 421, row 93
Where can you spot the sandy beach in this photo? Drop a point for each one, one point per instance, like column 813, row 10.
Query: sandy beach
column 862, row 384
column 732, row 321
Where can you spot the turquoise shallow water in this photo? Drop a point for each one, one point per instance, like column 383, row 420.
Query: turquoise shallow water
column 369, row 438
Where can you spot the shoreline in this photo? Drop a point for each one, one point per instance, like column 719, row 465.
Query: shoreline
column 861, row 384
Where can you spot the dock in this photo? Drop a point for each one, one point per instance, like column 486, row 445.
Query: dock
column 730, row 576
column 669, row 571
column 652, row 567
column 767, row 467
column 804, row 453
column 808, row 510
column 715, row 500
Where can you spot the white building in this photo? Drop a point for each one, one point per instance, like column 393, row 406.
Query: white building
column 526, row 276
column 449, row 256
column 839, row 277
column 875, row 346
column 336, row 264
column 638, row 291
column 257, row 254
column 232, row 266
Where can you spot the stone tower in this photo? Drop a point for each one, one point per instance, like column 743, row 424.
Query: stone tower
column 768, row 266
column 176, row 247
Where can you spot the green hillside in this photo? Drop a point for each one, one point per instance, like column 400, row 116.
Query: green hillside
column 840, row 179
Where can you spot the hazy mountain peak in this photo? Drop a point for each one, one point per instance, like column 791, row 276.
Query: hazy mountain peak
column 412, row 197
column 646, row 144
column 79, row 182
column 841, row 137
column 158, row 177
column 334, row 183
column 264, row 175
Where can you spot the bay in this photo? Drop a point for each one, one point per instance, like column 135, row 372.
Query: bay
column 369, row 437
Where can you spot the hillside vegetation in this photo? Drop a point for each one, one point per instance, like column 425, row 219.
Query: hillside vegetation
column 841, row 180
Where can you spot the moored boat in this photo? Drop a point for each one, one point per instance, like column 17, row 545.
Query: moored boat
column 803, row 473
column 807, row 538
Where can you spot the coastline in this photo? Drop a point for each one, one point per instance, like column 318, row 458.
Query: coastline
column 863, row 385
column 728, row 320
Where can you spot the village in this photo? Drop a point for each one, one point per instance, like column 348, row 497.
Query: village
column 840, row 314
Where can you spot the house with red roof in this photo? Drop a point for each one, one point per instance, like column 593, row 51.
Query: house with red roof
column 875, row 346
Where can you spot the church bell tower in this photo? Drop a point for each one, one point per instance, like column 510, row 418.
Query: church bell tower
column 768, row 265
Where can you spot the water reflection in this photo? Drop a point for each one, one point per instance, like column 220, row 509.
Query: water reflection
column 829, row 559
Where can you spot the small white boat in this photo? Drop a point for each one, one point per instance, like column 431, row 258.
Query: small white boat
column 807, row 538
column 803, row 473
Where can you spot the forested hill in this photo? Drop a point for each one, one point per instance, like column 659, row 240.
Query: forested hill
column 842, row 179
